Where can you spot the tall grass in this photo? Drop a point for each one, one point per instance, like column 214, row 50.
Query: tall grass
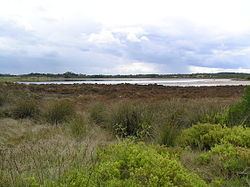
column 25, row 109
column 59, row 111
column 158, row 121
column 2, row 100
column 170, row 117
column 32, row 154
column 44, row 160
column 239, row 113
column 78, row 126
column 131, row 119
column 98, row 114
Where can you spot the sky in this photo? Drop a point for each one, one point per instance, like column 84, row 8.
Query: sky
column 124, row 36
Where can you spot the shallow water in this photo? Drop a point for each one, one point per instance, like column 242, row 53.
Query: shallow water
column 147, row 81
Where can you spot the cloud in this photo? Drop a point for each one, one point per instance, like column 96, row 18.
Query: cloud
column 159, row 36
column 198, row 69
column 104, row 37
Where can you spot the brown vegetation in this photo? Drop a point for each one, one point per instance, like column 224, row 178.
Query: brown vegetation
column 131, row 91
column 51, row 135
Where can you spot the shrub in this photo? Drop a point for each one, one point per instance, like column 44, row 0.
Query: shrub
column 239, row 113
column 233, row 160
column 78, row 126
column 98, row 114
column 128, row 163
column 206, row 136
column 194, row 136
column 59, row 112
column 130, row 119
column 25, row 109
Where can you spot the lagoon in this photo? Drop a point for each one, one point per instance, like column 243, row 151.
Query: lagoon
column 148, row 81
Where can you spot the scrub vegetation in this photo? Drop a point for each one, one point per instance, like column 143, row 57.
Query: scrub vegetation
column 91, row 135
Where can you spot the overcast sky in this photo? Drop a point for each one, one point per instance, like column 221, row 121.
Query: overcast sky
column 124, row 36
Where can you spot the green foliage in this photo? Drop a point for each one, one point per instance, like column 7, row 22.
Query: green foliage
column 129, row 163
column 231, row 159
column 76, row 178
column 206, row 136
column 59, row 111
column 239, row 113
column 130, row 119
column 25, row 109
column 194, row 136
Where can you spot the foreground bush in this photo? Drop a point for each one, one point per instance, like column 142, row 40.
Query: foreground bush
column 129, row 119
column 131, row 164
column 128, row 163
column 239, row 113
column 232, row 161
column 59, row 112
column 206, row 136
column 25, row 109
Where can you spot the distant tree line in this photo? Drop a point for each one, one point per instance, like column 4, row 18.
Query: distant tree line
column 195, row 75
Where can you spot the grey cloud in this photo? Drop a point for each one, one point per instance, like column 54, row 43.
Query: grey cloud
column 67, row 48
column 178, row 52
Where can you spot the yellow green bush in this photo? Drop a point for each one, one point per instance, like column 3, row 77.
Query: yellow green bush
column 233, row 161
column 129, row 163
column 206, row 136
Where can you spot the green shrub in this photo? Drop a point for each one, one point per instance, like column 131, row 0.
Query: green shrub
column 76, row 178
column 239, row 113
column 59, row 111
column 232, row 160
column 194, row 136
column 25, row 109
column 206, row 136
column 129, row 119
column 78, row 126
column 128, row 163
column 98, row 114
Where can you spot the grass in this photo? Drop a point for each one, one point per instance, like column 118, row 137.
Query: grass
column 131, row 119
column 2, row 100
column 239, row 113
column 51, row 136
column 78, row 126
column 25, row 109
column 42, row 152
column 98, row 114
column 59, row 111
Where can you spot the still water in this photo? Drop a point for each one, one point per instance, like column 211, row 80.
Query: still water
column 147, row 81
